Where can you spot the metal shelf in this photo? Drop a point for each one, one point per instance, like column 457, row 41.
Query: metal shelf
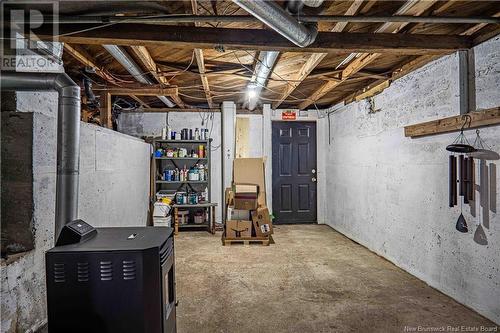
column 181, row 158
column 182, row 141
column 192, row 225
column 184, row 182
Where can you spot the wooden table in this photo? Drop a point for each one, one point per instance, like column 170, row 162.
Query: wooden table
column 211, row 216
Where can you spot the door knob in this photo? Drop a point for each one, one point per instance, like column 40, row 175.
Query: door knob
column 313, row 179
column 313, row 171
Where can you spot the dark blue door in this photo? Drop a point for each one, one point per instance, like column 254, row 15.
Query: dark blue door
column 294, row 172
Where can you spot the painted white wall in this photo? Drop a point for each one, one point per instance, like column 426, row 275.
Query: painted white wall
column 151, row 124
column 228, row 143
column 114, row 186
column 390, row 193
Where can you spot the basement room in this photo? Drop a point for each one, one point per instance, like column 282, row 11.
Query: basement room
column 235, row 166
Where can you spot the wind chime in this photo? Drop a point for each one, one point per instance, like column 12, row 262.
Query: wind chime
column 461, row 171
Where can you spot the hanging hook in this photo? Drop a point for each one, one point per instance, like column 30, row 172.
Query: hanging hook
column 466, row 118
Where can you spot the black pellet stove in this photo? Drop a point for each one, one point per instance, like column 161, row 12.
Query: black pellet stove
column 111, row 280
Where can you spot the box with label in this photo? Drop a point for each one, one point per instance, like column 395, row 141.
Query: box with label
column 262, row 222
column 237, row 214
column 246, row 196
column 238, row 228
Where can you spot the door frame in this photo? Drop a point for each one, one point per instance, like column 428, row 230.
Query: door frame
column 269, row 165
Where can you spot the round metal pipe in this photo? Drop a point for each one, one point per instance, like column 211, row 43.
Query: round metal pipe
column 68, row 135
column 271, row 14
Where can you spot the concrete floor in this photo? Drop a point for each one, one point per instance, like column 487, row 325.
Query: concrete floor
column 312, row 280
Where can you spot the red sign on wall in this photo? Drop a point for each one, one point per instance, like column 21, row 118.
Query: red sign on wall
column 289, row 115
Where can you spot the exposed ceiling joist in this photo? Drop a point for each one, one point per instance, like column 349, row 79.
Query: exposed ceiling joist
column 315, row 59
column 352, row 68
column 143, row 55
column 410, row 7
column 200, row 61
column 140, row 101
column 379, row 85
column 140, row 91
column 84, row 58
column 258, row 39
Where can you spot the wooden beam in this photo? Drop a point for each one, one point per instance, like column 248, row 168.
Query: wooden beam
column 164, row 110
column 352, row 68
column 481, row 118
column 204, row 80
column 314, row 60
column 84, row 58
column 472, row 30
column 259, row 39
column 200, row 61
column 410, row 7
column 142, row 53
column 146, row 91
column 105, row 110
column 138, row 100
column 382, row 84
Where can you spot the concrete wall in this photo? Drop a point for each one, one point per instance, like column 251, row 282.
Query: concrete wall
column 113, row 192
column 151, row 124
column 390, row 193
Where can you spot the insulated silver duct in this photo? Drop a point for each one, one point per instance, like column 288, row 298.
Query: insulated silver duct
column 271, row 14
column 264, row 67
column 126, row 61
column 68, row 135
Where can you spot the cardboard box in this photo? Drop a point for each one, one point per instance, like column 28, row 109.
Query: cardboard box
column 237, row 214
column 238, row 228
column 262, row 222
column 245, row 196
column 251, row 171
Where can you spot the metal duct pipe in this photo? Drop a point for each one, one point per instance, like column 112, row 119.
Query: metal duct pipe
column 294, row 6
column 68, row 135
column 313, row 3
column 264, row 68
column 271, row 14
column 126, row 61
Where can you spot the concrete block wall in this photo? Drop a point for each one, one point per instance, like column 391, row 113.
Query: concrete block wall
column 114, row 186
column 390, row 193
column 151, row 124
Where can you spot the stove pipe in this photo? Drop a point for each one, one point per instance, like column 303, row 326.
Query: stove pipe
column 68, row 135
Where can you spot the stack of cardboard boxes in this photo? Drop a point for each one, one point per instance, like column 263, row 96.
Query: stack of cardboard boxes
column 247, row 217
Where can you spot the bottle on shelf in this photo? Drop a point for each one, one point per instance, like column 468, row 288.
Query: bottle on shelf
column 196, row 134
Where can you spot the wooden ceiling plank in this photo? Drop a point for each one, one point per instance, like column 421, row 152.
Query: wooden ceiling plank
column 352, row 68
column 410, row 7
column 314, row 60
column 409, row 66
column 259, row 39
column 200, row 61
column 145, row 91
column 140, row 101
column 204, row 80
column 142, row 53
column 472, row 30
column 84, row 58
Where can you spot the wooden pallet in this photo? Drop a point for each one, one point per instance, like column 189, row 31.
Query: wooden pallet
column 245, row 241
